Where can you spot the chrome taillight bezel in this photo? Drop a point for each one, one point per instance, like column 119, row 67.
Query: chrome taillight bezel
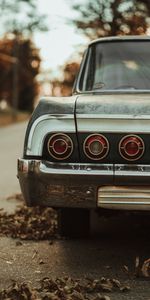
column 105, row 148
column 123, row 152
column 60, row 137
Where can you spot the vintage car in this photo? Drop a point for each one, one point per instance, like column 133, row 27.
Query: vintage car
column 91, row 151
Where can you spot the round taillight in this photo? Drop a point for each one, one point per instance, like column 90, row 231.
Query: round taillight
column 96, row 146
column 131, row 147
column 60, row 146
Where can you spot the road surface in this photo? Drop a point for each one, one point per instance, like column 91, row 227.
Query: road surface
column 101, row 256
column 11, row 147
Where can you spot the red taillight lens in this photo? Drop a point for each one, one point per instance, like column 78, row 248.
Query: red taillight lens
column 96, row 146
column 60, row 146
column 131, row 147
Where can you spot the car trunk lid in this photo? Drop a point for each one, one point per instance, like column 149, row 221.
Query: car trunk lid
column 113, row 113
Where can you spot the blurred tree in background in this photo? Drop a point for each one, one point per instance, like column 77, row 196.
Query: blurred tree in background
column 64, row 87
column 21, row 16
column 27, row 62
column 19, row 60
column 99, row 18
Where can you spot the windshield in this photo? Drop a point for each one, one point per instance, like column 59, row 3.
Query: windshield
column 117, row 65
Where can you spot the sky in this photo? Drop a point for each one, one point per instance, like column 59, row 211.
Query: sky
column 61, row 41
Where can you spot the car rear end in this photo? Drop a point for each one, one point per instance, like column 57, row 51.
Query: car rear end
column 92, row 150
column 89, row 159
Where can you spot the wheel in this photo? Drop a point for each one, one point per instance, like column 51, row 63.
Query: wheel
column 74, row 222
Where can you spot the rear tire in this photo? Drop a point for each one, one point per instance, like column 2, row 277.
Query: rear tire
column 74, row 222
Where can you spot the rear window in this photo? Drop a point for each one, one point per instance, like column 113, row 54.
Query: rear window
column 117, row 65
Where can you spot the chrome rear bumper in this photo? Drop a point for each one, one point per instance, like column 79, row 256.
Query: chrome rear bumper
column 85, row 185
column 62, row 185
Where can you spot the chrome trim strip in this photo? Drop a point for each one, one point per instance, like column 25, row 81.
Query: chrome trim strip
column 111, row 92
column 133, row 167
column 131, row 170
column 76, row 89
column 64, row 168
column 76, row 169
column 113, row 116
column 120, row 38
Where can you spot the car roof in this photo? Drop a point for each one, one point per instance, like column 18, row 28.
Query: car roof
column 121, row 38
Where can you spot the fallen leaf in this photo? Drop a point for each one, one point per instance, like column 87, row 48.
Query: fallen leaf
column 146, row 268
column 34, row 254
column 9, row 262
column 126, row 269
column 125, row 288
column 102, row 297
column 41, row 262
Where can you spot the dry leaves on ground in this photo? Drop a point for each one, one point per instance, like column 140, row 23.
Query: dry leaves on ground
column 29, row 223
column 64, row 289
column 141, row 269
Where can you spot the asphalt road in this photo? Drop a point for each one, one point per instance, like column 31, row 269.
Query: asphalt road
column 102, row 255
column 11, row 147
column 115, row 243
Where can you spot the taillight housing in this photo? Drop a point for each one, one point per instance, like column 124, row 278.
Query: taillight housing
column 96, row 146
column 131, row 147
column 60, row 146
